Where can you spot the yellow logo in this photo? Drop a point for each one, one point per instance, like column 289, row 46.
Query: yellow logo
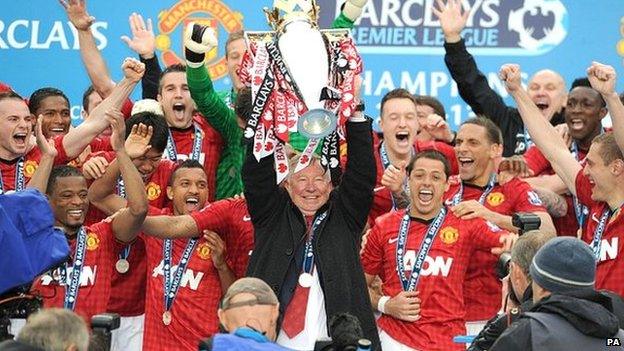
column 203, row 251
column 153, row 191
column 217, row 14
column 30, row 167
column 495, row 199
column 449, row 235
column 93, row 242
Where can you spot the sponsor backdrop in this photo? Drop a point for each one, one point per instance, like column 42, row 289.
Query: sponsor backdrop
column 400, row 40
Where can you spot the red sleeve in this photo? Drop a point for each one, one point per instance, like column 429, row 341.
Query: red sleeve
column 485, row 235
column 372, row 256
column 214, row 216
column 61, row 158
column 239, row 241
column 100, row 144
column 126, row 109
column 583, row 189
column 526, row 200
column 536, row 161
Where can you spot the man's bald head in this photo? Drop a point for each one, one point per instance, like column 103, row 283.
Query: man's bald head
column 548, row 91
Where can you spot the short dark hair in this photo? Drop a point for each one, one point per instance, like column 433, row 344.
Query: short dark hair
column 243, row 105
column 432, row 102
column 185, row 164
column 399, row 93
column 239, row 34
column 157, row 122
column 10, row 94
column 34, row 102
column 85, row 97
column 493, row 132
column 431, row 155
column 176, row 67
column 609, row 149
column 585, row 83
column 62, row 171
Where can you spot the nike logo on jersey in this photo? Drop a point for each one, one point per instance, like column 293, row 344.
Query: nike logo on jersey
column 594, row 218
column 246, row 218
column 87, row 277
column 190, row 279
column 392, row 240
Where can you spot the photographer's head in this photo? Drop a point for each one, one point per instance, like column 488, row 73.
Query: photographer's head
column 55, row 329
column 251, row 303
column 561, row 266
column 522, row 255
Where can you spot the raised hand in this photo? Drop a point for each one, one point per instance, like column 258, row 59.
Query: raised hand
column 77, row 13
column 118, row 126
column 602, row 78
column 451, row 18
column 94, row 168
column 138, row 142
column 143, row 41
column 394, row 177
column 510, row 74
column 514, row 166
column 133, row 69
column 47, row 147
column 438, row 128
column 198, row 40
column 353, row 9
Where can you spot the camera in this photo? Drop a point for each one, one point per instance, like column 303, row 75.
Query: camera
column 502, row 266
column 525, row 222
column 346, row 335
column 103, row 326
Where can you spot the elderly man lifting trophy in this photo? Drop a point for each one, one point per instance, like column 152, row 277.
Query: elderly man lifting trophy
column 307, row 233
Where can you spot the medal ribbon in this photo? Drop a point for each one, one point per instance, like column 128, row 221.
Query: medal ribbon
column 308, row 253
column 580, row 211
column 121, row 191
column 385, row 160
column 409, row 284
column 172, row 153
column 19, row 177
column 171, row 286
column 71, row 290
column 457, row 198
column 602, row 225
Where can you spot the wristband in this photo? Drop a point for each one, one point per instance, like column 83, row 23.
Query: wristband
column 381, row 305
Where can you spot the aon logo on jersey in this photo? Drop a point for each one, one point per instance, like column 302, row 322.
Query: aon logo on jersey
column 189, row 279
column 609, row 249
column 436, row 266
column 87, row 277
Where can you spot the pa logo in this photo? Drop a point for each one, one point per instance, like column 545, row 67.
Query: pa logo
column 540, row 24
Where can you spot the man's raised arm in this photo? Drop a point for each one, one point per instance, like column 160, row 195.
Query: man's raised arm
column 78, row 138
column 542, row 132
column 603, row 79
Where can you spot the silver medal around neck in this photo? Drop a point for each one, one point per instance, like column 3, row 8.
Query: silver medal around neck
column 166, row 318
column 305, row 280
column 122, row 266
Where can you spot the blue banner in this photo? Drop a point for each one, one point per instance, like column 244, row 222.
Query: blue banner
column 400, row 41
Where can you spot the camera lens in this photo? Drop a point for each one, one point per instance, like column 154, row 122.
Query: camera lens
column 502, row 265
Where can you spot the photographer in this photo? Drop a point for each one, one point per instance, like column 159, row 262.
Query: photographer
column 517, row 290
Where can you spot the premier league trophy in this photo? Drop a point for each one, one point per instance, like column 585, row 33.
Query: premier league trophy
column 302, row 83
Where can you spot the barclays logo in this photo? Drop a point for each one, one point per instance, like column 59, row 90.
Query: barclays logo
column 494, row 27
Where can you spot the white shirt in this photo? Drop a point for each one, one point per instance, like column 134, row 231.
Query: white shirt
column 315, row 326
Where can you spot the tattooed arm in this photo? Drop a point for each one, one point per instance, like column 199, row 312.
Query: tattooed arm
column 555, row 204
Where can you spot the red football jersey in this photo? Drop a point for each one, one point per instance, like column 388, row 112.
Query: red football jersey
column 31, row 162
column 610, row 267
column 95, row 280
column 482, row 288
column 537, row 162
column 382, row 201
column 441, row 282
column 210, row 150
column 200, row 288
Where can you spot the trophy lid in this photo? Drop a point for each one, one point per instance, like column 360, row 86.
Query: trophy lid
column 288, row 11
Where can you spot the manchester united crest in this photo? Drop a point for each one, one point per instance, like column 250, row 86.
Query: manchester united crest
column 30, row 167
column 153, row 191
column 93, row 241
column 203, row 251
column 495, row 199
column 449, row 235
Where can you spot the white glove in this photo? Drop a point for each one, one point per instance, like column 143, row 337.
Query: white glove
column 198, row 40
column 353, row 9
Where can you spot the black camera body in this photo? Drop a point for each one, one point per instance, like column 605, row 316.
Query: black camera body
column 524, row 222
column 102, row 326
